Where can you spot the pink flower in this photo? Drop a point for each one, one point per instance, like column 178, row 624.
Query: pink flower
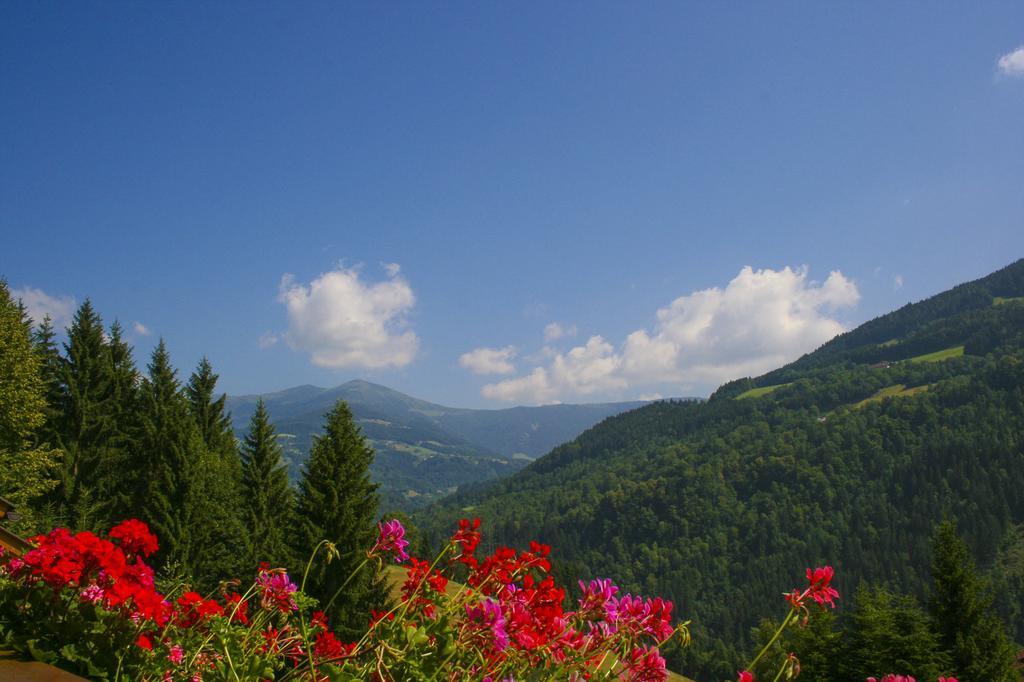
column 598, row 601
column 91, row 594
column 488, row 614
column 176, row 655
column 646, row 665
column 639, row 616
column 948, row 679
column 746, row 676
column 276, row 590
column 392, row 539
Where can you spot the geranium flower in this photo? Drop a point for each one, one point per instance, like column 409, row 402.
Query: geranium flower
column 391, row 539
column 646, row 665
column 276, row 590
column 746, row 676
column 135, row 537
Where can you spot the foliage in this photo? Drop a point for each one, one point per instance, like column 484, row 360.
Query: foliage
column 91, row 605
column 268, row 495
column 337, row 502
column 725, row 497
column 27, row 470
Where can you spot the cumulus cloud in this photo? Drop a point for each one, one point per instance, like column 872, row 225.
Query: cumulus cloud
column 141, row 329
column 897, row 282
column 760, row 320
column 1012, row 63
column 342, row 321
column 40, row 304
column 489, row 360
column 556, row 330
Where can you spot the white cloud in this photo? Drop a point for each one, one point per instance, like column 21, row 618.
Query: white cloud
column 267, row 340
column 342, row 321
column 40, row 304
column 556, row 330
column 1012, row 63
column 141, row 329
column 897, row 282
column 760, row 320
column 489, row 360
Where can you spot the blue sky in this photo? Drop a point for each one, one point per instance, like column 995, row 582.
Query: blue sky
column 413, row 193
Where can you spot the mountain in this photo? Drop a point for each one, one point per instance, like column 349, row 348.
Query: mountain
column 848, row 456
column 424, row 450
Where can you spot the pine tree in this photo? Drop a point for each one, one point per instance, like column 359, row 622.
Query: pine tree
column 217, row 529
column 168, row 452
column 114, row 475
column 52, row 370
column 268, row 493
column 889, row 633
column 961, row 609
column 87, row 423
column 27, row 469
column 337, row 502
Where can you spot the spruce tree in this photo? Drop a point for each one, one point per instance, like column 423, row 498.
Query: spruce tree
column 217, row 529
column 890, row 633
column 268, row 493
column 52, row 369
column 961, row 608
column 337, row 502
column 27, row 467
column 114, row 476
column 87, row 422
column 167, row 456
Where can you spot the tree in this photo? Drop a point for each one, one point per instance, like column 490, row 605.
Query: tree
column 890, row 633
column 961, row 608
column 267, row 491
column 114, row 479
column 216, row 527
column 27, row 471
column 167, row 456
column 337, row 502
column 87, row 424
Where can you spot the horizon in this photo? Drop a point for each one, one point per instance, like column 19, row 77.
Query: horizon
column 497, row 206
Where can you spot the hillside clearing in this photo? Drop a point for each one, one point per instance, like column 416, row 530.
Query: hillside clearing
column 939, row 355
column 1001, row 300
column 760, row 391
column 896, row 390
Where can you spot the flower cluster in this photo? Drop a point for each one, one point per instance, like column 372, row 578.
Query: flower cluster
column 507, row 619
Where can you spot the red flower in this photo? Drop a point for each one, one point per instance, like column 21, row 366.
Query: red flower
column 238, row 608
column 144, row 642
column 746, row 676
column 819, row 586
column 135, row 537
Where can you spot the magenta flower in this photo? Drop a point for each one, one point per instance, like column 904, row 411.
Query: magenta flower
column 276, row 590
column 598, row 601
column 176, row 655
column 488, row 615
column 646, row 665
column 639, row 616
column 391, row 539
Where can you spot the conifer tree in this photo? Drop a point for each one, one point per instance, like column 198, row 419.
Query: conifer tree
column 268, row 493
column 27, row 467
column 87, row 423
column 115, row 473
column 217, row 529
column 961, row 607
column 52, row 369
column 167, row 455
column 337, row 502
column 890, row 633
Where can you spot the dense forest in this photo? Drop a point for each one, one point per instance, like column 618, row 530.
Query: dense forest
column 88, row 440
column 850, row 456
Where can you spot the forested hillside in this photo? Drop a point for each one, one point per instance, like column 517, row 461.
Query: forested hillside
column 424, row 450
column 849, row 456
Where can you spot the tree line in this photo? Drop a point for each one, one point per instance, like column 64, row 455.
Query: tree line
column 88, row 440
